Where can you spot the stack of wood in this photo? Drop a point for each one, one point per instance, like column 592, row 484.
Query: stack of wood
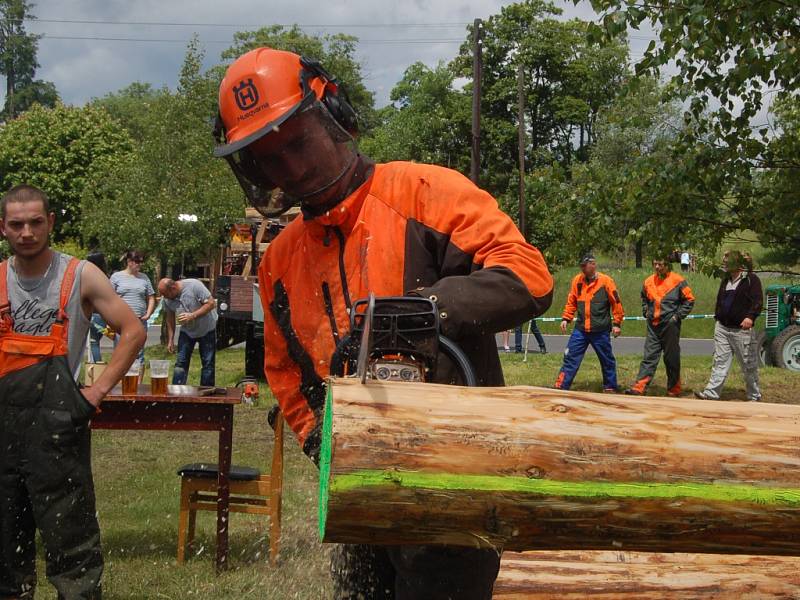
column 606, row 575
column 526, row 468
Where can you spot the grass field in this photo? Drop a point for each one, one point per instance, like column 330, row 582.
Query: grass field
column 137, row 492
column 629, row 283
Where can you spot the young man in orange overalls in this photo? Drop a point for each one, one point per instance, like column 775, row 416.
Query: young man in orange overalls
column 46, row 299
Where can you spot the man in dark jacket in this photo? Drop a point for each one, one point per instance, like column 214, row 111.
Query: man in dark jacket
column 739, row 302
column 392, row 229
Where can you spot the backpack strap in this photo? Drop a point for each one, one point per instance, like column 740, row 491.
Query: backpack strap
column 5, row 305
column 66, row 288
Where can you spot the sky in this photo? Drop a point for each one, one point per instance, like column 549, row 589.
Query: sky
column 393, row 36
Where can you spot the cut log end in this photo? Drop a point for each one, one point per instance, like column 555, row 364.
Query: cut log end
column 325, row 453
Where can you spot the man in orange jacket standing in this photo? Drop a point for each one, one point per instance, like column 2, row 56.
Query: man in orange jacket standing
column 666, row 301
column 393, row 229
column 593, row 297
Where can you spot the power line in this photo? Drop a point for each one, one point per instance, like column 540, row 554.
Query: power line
column 243, row 25
column 202, row 41
column 248, row 26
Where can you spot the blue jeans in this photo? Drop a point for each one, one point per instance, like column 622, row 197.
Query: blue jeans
column 536, row 333
column 97, row 325
column 579, row 341
column 208, row 353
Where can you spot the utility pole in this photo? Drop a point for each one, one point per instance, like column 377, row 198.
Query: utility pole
column 521, row 134
column 477, row 70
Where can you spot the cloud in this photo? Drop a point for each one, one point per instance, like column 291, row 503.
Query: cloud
column 82, row 69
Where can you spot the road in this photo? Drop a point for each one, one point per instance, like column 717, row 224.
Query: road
column 555, row 343
column 622, row 345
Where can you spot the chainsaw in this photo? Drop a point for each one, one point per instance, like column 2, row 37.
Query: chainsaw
column 397, row 338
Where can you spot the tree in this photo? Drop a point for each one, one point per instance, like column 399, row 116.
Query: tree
column 61, row 150
column 18, row 61
column 620, row 205
column 566, row 82
column 731, row 52
column 132, row 106
column 428, row 121
column 171, row 173
column 779, row 226
column 731, row 56
column 336, row 52
column 632, row 193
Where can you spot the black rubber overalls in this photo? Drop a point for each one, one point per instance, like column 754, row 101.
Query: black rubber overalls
column 45, row 461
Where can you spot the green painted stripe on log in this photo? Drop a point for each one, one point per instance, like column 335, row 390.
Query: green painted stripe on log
column 545, row 487
column 325, row 461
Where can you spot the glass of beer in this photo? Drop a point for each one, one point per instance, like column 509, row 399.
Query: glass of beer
column 130, row 381
column 159, row 371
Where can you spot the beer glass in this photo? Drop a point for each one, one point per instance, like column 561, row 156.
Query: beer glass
column 159, row 371
column 130, row 381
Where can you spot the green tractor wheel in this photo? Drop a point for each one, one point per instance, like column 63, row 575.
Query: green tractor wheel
column 764, row 350
column 786, row 348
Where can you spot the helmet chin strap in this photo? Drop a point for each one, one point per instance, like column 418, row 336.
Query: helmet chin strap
column 300, row 198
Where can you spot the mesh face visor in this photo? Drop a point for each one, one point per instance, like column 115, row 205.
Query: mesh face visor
column 253, row 173
column 260, row 192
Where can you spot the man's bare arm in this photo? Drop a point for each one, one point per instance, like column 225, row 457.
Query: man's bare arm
column 170, row 319
column 97, row 291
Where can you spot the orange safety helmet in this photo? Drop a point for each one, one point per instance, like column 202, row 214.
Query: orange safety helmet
column 261, row 90
column 265, row 87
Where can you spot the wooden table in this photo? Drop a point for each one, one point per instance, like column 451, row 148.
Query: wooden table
column 182, row 409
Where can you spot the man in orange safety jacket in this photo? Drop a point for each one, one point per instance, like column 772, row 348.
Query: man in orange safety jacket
column 666, row 301
column 594, row 299
column 392, row 229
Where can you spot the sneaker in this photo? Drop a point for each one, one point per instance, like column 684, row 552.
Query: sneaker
column 757, row 399
column 674, row 394
column 632, row 392
column 506, row 349
column 703, row 396
column 542, row 350
column 610, row 390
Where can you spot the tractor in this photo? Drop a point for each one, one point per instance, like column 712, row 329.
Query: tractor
column 781, row 337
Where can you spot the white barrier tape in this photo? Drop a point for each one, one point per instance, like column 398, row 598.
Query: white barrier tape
column 558, row 319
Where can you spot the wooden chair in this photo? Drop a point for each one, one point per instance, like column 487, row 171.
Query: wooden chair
column 250, row 492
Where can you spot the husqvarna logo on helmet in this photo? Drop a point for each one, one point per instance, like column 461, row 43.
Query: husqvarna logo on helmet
column 246, row 94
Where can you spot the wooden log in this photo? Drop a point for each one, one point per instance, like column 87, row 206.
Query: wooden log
column 527, row 468
column 606, row 575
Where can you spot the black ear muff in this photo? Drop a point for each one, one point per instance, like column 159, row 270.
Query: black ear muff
column 339, row 106
column 335, row 97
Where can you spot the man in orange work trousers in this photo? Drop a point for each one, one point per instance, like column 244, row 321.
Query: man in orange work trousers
column 46, row 300
column 393, row 229
column 666, row 301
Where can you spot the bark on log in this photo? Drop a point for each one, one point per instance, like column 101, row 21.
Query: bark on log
column 606, row 575
column 533, row 469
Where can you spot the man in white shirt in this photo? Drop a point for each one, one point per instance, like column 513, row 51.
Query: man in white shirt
column 686, row 260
